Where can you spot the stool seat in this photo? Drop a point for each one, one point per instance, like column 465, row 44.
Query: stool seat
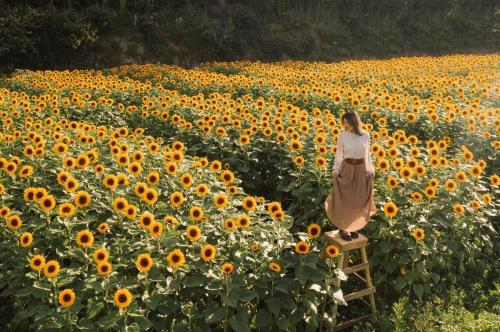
column 333, row 237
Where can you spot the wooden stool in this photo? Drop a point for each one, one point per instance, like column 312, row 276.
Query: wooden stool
column 360, row 243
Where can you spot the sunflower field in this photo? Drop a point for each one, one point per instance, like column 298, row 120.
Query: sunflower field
column 155, row 197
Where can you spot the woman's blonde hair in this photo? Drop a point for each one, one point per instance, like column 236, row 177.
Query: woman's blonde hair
column 353, row 119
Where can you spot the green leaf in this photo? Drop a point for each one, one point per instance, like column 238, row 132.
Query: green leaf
column 216, row 316
column 240, row 323
column 242, row 294
column 400, row 283
column 153, row 301
column 94, row 307
column 143, row 322
column 263, row 318
column 274, row 305
column 419, row 290
column 108, row 321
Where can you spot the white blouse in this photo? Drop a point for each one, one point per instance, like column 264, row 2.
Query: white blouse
column 350, row 145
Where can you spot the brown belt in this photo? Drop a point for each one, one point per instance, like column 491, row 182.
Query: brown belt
column 354, row 161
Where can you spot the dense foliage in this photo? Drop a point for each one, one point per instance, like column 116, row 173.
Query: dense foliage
column 250, row 147
column 67, row 34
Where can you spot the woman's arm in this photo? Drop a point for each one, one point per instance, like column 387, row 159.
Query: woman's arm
column 368, row 162
column 339, row 154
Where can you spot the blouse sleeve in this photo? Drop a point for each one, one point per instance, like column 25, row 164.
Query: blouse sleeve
column 368, row 163
column 339, row 154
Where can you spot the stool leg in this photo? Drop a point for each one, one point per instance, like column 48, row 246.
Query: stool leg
column 346, row 261
column 340, row 264
column 368, row 279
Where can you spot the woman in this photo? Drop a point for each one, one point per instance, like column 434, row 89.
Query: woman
column 349, row 204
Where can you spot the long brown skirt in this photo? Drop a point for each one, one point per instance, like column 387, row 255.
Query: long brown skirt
column 349, row 204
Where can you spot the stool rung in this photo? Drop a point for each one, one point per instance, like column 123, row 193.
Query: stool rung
column 355, row 268
column 351, row 322
column 360, row 277
column 360, row 293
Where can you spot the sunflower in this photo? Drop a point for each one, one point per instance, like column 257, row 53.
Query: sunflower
column 230, row 224
column 39, row 194
column 486, row 198
column 71, row 184
column 201, row 189
column 249, row 203
column 243, row 221
column 193, row 232
column 144, row 262
column 298, row 161
column 131, row 211
column 232, row 190
column 67, row 297
column 29, row 194
column 4, row 211
column 100, row 255
column 383, row 164
column 47, row 203
column 171, row 167
column 37, row 262
column 450, row 185
column 196, row 213
column 150, row 196
column 155, row 229
column 278, row 214
column 417, row 197
column 26, row 171
column 103, row 227
column 406, row 172
column 146, row 219
column 475, row 171
column 153, row 178
column 140, row 188
column 82, row 161
column 320, row 162
column 104, row 268
column 255, row 247
column 99, row 169
column 170, row 220
column 176, row 199
column 25, row 239
column 135, row 168
column 475, row 204
column 220, row 201
column 227, row 177
column 122, row 298
column 273, row 266
column 82, row 199
column 302, row 247
column 215, row 166
column 332, row 251
column 430, row 191
column 227, row 268
column 208, row 252
column 418, row 234
column 51, row 269
column 110, row 181
column 461, row 176
column 85, row 238
column 186, row 180
column 392, row 182
column 120, row 204
column 314, row 231
column 14, row 222
column 458, row 209
column 69, row 162
column 175, row 258
column 390, row 209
